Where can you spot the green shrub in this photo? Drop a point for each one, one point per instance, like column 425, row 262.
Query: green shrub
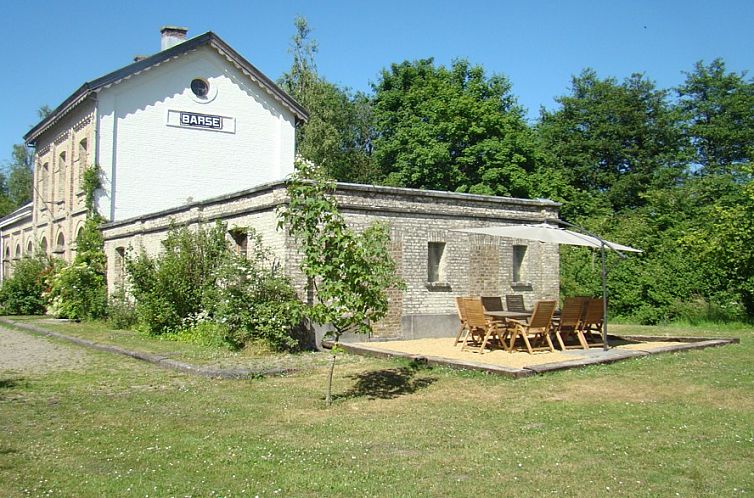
column 79, row 291
column 23, row 293
column 121, row 312
column 198, row 289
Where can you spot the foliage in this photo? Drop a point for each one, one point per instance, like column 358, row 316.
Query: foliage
column 79, row 290
column 121, row 311
column 338, row 133
column 451, row 129
column 23, row 292
column 612, row 140
column 716, row 108
column 199, row 287
column 350, row 271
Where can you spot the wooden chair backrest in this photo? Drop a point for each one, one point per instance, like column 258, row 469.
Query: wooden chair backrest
column 460, row 308
column 475, row 313
column 515, row 302
column 542, row 315
column 593, row 311
column 492, row 303
column 572, row 312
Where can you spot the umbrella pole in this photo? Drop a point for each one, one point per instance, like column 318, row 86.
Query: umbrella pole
column 604, row 299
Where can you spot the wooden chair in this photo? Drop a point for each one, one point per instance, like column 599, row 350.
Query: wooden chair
column 538, row 327
column 568, row 325
column 477, row 321
column 474, row 328
column 492, row 303
column 591, row 321
column 462, row 318
column 515, row 302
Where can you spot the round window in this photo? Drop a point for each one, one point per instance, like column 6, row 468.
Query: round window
column 200, row 87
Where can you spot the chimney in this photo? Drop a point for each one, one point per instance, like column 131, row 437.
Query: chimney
column 170, row 36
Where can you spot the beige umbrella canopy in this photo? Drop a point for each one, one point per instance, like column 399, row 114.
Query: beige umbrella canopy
column 551, row 234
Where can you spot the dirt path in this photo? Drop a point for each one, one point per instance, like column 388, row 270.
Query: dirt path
column 23, row 352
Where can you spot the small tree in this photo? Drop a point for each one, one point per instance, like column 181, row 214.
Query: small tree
column 349, row 272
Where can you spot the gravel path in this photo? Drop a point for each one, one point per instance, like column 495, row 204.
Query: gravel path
column 23, row 352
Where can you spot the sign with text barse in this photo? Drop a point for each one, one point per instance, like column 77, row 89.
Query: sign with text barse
column 185, row 119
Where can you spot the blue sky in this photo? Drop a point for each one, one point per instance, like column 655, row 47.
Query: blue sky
column 51, row 48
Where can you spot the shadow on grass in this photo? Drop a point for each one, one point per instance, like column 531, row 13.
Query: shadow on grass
column 388, row 383
column 9, row 383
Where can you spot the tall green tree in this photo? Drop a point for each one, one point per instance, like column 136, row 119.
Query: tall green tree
column 338, row 134
column 612, row 140
column 718, row 111
column 451, row 129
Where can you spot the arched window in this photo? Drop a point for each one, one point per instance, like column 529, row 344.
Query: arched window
column 60, row 180
column 29, row 248
column 43, row 245
column 44, row 180
column 18, row 251
column 119, row 266
column 83, row 160
column 6, row 263
column 60, row 244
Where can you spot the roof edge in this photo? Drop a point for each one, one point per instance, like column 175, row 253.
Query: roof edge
column 209, row 38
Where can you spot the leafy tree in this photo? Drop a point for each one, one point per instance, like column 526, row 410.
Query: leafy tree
column 20, row 176
column 338, row 133
column 719, row 122
column 612, row 140
column 349, row 272
column 451, row 129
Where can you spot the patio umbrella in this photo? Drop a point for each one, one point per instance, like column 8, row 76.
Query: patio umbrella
column 552, row 234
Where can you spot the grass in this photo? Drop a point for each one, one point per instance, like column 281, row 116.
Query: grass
column 675, row 424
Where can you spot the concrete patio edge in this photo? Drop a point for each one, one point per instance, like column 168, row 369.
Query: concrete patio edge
column 432, row 360
column 155, row 359
column 684, row 344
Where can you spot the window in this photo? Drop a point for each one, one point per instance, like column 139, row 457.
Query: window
column 18, row 251
column 44, row 180
column 60, row 244
column 241, row 240
column 119, row 266
column 436, row 262
column 29, row 248
column 43, row 245
column 519, row 266
column 60, row 180
column 83, row 158
column 200, row 88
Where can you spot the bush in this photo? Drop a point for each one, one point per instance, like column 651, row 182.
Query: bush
column 79, row 290
column 121, row 312
column 23, row 293
column 198, row 289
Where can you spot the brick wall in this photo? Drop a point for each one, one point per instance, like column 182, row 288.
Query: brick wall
column 475, row 264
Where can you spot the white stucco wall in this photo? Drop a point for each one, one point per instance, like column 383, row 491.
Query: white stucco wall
column 149, row 166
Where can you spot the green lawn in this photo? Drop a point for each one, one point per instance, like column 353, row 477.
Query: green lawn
column 675, row 424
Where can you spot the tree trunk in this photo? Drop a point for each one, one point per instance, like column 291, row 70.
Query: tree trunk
column 328, row 397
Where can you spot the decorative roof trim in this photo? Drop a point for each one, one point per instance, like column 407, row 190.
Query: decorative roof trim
column 209, row 39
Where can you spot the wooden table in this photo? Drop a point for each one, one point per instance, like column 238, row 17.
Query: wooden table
column 518, row 315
